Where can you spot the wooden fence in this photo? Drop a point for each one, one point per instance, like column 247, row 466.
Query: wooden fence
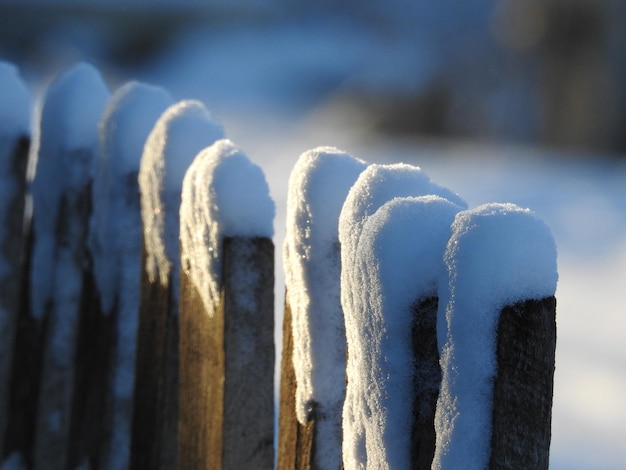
column 137, row 301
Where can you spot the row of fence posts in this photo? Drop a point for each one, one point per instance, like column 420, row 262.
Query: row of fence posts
column 137, row 301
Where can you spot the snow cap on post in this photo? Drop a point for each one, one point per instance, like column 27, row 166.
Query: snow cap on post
column 15, row 103
column 376, row 185
column 72, row 107
column 15, row 115
column 498, row 255
column 181, row 132
column 224, row 195
column 126, row 123
column 397, row 263
column 318, row 186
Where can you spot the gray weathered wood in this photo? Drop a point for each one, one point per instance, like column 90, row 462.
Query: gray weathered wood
column 427, row 382
column 523, row 386
column 295, row 440
column 226, row 414
column 14, row 154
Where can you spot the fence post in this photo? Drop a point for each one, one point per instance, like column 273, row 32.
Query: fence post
column 61, row 206
column 314, row 343
column 393, row 369
column 226, row 417
column 15, row 132
column 523, row 387
column 116, row 244
column 179, row 134
column 498, row 313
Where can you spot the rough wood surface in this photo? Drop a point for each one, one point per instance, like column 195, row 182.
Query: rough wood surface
column 427, row 382
column 523, row 386
column 91, row 425
column 295, row 441
column 226, row 411
column 12, row 252
column 148, row 419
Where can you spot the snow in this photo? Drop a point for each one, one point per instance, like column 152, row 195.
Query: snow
column 375, row 186
column 69, row 119
column 116, row 239
column 129, row 117
column 181, row 132
column 318, row 185
column 397, row 263
column 498, row 254
column 15, row 102
column 224, row 194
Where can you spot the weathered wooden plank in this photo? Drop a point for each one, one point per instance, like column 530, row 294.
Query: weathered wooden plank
column 226, row 408
column 148, row 412
column 427, row 382
column 523, row 386
column 295, row 441
column 14, row 160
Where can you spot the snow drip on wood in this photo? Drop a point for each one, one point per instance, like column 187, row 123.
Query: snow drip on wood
column 181, row 132
column 68, row 136
column 318, row 186
column 375, row 186
column 498, row 254
column 397, row 263
column 128, row 119
column 224, row 194
column 71, row 110
column 116, row 239
column 15, row 114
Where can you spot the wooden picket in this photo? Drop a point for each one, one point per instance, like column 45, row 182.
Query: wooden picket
column 523, row 386
column 295, row 440
column 227, row 362
column 426, row 383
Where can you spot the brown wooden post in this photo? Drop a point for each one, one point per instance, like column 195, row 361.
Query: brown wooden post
column 295, row 440
column 523, row 386
column 313, row 372
column 150, row 396
column 61, row 212
column 180, row 133
column 498, row 350
column 226, row 412
column 227, row 362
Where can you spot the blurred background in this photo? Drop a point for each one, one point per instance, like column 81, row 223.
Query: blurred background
column 519, row 101
column 549, row 72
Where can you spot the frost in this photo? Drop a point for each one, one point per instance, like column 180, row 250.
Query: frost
column 224, row 194
column 498, row 254
column 181, row 132
column 318, row 186
column 397, row 263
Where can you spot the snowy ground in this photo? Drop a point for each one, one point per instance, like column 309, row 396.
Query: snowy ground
column 581, row 199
